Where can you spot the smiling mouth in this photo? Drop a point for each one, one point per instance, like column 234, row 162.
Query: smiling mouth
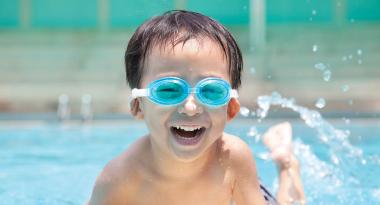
column 186, row 135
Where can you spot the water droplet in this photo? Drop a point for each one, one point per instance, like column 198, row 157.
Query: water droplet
column 315, row 48
column 245, row 7
column 264, row 156
column 334, row 159
column 350, row 102
column 360, row 61
column 321, row 103
column 269, row 77
column 359, row 52
column 252, row 132
column 252, row 70
column 364, row 161
column 276, row 95
column 310, row 19
column 314, row 12
column 324, row 139
column 327, row 75
column 347, row 121
column 244, row 111
column 345, row 88
column 320, row 66
column 350, row 57
column 344, row 58
column 352, row 20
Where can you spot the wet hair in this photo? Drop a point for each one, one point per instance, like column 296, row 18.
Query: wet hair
column 174, row 27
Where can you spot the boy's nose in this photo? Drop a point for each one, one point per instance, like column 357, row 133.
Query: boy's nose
column 190, row 107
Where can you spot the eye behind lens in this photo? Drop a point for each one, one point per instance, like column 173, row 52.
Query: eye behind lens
column 214, row 92
column 168, row 91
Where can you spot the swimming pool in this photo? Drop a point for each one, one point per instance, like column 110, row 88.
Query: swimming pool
column 52, row 163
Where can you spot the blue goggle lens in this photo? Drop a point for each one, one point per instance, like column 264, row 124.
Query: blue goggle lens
column 168, row 91
column 172, row 90
column 213, row 92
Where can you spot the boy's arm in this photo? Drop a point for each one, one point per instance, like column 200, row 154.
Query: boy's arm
column 246, row 190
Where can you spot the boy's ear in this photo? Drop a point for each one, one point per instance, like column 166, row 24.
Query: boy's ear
column 136, row 111
column 233, row 109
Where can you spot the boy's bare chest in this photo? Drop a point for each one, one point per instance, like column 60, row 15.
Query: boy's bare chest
column 208, row 190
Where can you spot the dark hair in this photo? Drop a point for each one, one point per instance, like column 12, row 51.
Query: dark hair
column 178, row 26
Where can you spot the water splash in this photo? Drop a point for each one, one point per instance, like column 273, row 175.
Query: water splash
column 346, row 121
column 320, row 66
column 321, row 103
column 327, row 75
column 315, row 48
column 359, row 52
column 345, row 160
column 323, row 68
column 345, row 88
column 244, row 111
column 334, row 138
column 253, row 133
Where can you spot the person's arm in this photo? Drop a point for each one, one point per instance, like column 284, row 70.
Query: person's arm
column 246, row 190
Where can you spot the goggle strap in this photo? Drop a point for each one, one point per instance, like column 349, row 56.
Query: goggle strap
column 234, row 93
column 139, row 93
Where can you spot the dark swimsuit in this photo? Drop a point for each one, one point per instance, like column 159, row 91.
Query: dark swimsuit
column 268, row 196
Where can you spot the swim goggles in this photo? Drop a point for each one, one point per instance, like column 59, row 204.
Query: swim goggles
column 170, row 91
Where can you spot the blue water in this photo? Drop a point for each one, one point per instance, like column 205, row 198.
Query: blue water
column 58, row 164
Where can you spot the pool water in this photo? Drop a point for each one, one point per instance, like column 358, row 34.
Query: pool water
column 52, row 163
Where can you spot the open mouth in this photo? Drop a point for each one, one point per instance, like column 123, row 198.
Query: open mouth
column 187, row 135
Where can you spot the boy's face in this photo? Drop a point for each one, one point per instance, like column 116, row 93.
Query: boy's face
column 192, row 61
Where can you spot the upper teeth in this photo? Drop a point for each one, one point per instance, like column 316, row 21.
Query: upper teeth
column 188, row 128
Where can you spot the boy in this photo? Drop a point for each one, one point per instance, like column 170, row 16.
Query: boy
column 184, row 69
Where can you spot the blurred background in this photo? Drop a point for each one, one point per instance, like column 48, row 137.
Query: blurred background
column 325, row 54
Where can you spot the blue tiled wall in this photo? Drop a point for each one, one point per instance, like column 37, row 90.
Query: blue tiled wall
column 130, row 13
column 9, row 13
column 126, row 13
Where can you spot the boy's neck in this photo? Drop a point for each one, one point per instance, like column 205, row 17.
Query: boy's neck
column 171, row 168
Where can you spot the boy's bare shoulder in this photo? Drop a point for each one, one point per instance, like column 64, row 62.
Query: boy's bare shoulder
column 119, row 176
column 237, row 151
column 242, row 164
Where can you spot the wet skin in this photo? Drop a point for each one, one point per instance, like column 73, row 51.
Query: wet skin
column 158, row 169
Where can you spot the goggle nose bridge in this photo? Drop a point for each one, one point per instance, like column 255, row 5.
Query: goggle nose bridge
column 192, row 91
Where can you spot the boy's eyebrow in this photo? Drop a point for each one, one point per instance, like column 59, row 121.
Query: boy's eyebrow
column 205, row 75
column 168, row 74
column 176, row 74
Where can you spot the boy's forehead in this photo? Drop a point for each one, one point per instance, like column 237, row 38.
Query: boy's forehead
column 192, row 50
column 193, row 46
column 203, row 56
